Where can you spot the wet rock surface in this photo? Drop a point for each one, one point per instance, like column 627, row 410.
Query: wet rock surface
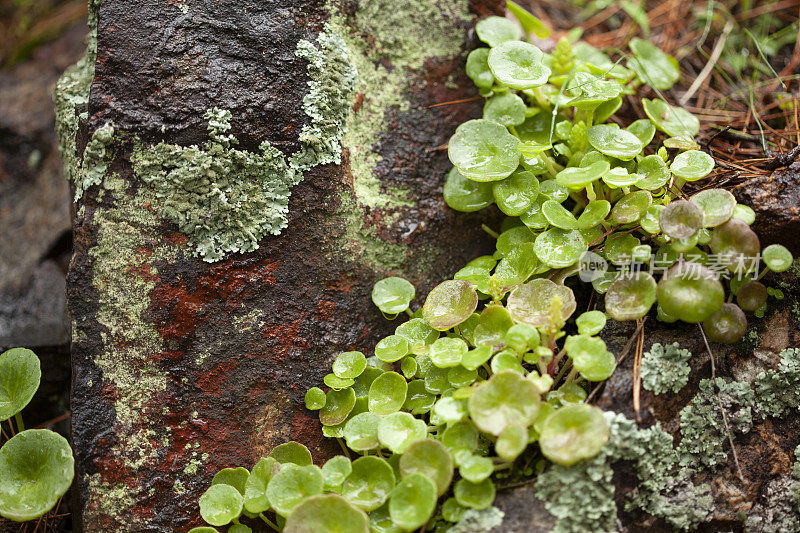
column 776, row 201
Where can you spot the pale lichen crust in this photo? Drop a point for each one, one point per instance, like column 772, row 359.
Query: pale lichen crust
column 223, row 198
column 581, row 496
column 333, row 78
column 665, row 368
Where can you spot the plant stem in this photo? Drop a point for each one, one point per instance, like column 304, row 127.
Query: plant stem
column 563, row 370
column 269, row 522
column 409, row 313
column 490, row 231
column 571, row 376
column 344, row 448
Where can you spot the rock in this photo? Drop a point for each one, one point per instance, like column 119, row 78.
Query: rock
column 36, row 315
column 34, row 198
column 523, row 511
column 776, row 201
column 183, row 366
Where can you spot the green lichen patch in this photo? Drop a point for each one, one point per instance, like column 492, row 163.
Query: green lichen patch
column 779, row 390
column 333, row 78
column 665, row 368
column 123, row 278
column 93, row 167
column 223, row 198
column 780, row 513
column 702, row 427
column 388, row 42
column 478, row 521
column 582, row 496
column 72, row 93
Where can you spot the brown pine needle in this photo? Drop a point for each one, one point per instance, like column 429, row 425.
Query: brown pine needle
column 637, row 367
column 463, row 100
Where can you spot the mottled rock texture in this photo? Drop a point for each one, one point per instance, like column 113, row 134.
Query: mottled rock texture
column 776, row 201
column 184, row 367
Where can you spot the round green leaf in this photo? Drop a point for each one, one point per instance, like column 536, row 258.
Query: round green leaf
column 449, row 304
column 36, row 469
column 361, row 431
column 413, row 501
column 692, row 165
column 392, row 348
column 506, row 398
column 235, row 477
column 338, row 405
column 349, row 365
column 430, row 458
column 593, row 214
column 614, row 142
column 577, row 178
column 653, row 171
column 630, row 296
column 255, row 489
column 590, row 322
column 483, row 150
column 495, row 30
column 690, row 292
column 392, row 295
column 512, row 441
column 20, row 373
column 673, row 121
column 643, row 129
column 291, row 453
column 574, row 432
column 717, row 206
column 553, row 190
column 512, row 237
column 417, row 332
column 681, row 219
column 558, row 216
column 398, row 430
column 506, row 109
column 728, row 325
column 474, row 495
column 418, row 399
column 315, row 399
column 291, row 485
column 221, row 504
column 466, row 195
column 652, row 66
column 516, row 266
column 460, row 436
column 777, row 257
column 336, row 383
column 620, row 177
column 532, row 302
column 744, row 213
column 559, row 248
column 631, row 207
column 447, row 352
column 387, row 393
column 518, row 65
column 335, row 471
column 475, row 358
column 515, row 194
column 329, row 513
column 735, row 245
column 370, row 482
column 478, row 68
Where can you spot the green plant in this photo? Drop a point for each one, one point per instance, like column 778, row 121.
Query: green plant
column 485, row 371
column 36, row 465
